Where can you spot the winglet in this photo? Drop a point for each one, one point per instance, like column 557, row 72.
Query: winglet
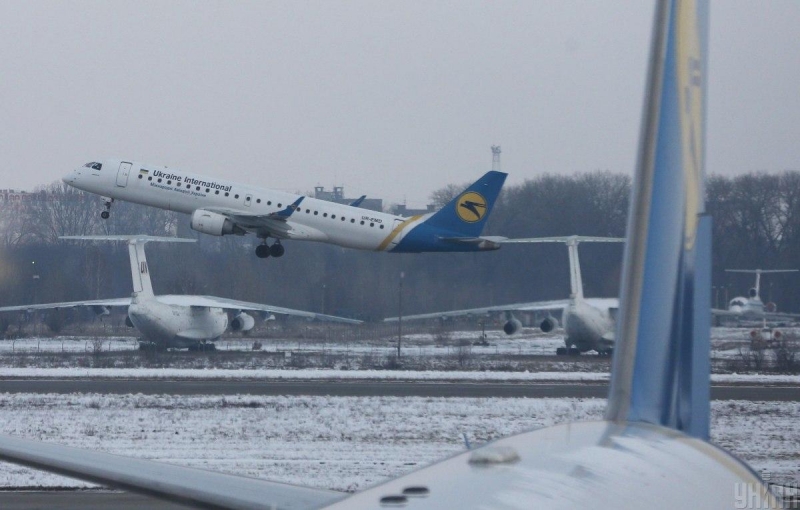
column 661, row 359
column 284, row 214
column 357, row 202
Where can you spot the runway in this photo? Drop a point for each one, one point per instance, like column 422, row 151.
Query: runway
column 366, row 389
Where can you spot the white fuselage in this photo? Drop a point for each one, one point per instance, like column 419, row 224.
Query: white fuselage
column 747, row 308
column 588, row 324
column 176, row 326
column 175, row 190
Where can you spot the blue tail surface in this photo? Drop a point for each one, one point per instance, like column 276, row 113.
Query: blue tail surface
column 466, row 214
column 661, row 358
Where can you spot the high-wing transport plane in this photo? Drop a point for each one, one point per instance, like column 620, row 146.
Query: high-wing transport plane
column 751, row 308
column 175, row 321
column 588, row 322
column 219, row 207
column 651, row 450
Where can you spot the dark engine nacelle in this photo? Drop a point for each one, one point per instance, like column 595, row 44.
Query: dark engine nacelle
column 242, row 322
column 549, row 324
column 101, row 310
column 214, row 224
column 511, row 326
column 753, row 292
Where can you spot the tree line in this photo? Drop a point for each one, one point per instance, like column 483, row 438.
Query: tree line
column 756, row 225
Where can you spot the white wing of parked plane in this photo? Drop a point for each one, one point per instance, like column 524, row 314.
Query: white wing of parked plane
column 232, row 304
column 522, row 307
column 71, row 304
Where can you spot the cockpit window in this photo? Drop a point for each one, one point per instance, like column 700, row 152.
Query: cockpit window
column 94, row 165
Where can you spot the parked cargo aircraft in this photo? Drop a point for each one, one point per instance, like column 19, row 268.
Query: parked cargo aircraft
column 751, row 308
column 650, row 451
column 219, row 207
column 175, row 321
column 588, row 322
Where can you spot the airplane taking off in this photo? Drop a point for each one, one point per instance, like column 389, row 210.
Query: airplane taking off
column 588, row 322
column 221, row 208
column 751, row 307
column 175, row 321
column 650, row 451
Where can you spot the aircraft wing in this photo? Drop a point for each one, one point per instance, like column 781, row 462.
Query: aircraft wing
column 522, row 307
column 71, row 304
column 195, row 487
column 276, row 223
column 232, row 304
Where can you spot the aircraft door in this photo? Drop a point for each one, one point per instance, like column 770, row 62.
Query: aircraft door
column 396, row 239
column 122, row 174
column 248, row 199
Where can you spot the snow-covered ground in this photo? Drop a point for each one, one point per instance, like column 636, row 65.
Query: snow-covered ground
column 343, row 443
column 330, row 374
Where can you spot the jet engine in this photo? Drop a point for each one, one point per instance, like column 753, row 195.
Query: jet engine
column 753, row 293
column 243, row 322
column 214, row 224
column 511, row 326
column 771, row 307
column 101, row 310
column 549, row 324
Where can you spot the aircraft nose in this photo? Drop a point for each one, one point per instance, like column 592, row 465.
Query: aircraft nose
column 70, row 177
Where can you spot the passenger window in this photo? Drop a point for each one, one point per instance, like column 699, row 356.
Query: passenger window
column 188, row 186
column 353, row 220
column 343, row 218
column 258, row 200
column 269, row 202
column 280, row 205
column 371, row 224
column 315, row 213
column 362, row 222
column 333, row 216
column 197, row 188
column 150, row 178
column 325, row 215
column 169, row 182
column 208, row 190
column 227, row 194
column 159, row 179
column 236, row 196
column 381, row 226
column 216, row 192
column 140, row 176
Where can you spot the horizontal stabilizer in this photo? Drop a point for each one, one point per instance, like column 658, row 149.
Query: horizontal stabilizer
column 565, row 239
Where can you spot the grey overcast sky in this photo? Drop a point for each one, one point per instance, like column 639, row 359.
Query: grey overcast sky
column 393, row 98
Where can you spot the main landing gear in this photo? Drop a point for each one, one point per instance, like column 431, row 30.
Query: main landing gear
column 264, row 250
column 572, row 351
column 107, row 203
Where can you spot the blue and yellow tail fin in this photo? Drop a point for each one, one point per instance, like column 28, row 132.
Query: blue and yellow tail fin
column 661, row 357
column 466, row 214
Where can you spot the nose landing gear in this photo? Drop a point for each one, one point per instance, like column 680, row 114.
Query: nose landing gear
column 107, row 203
